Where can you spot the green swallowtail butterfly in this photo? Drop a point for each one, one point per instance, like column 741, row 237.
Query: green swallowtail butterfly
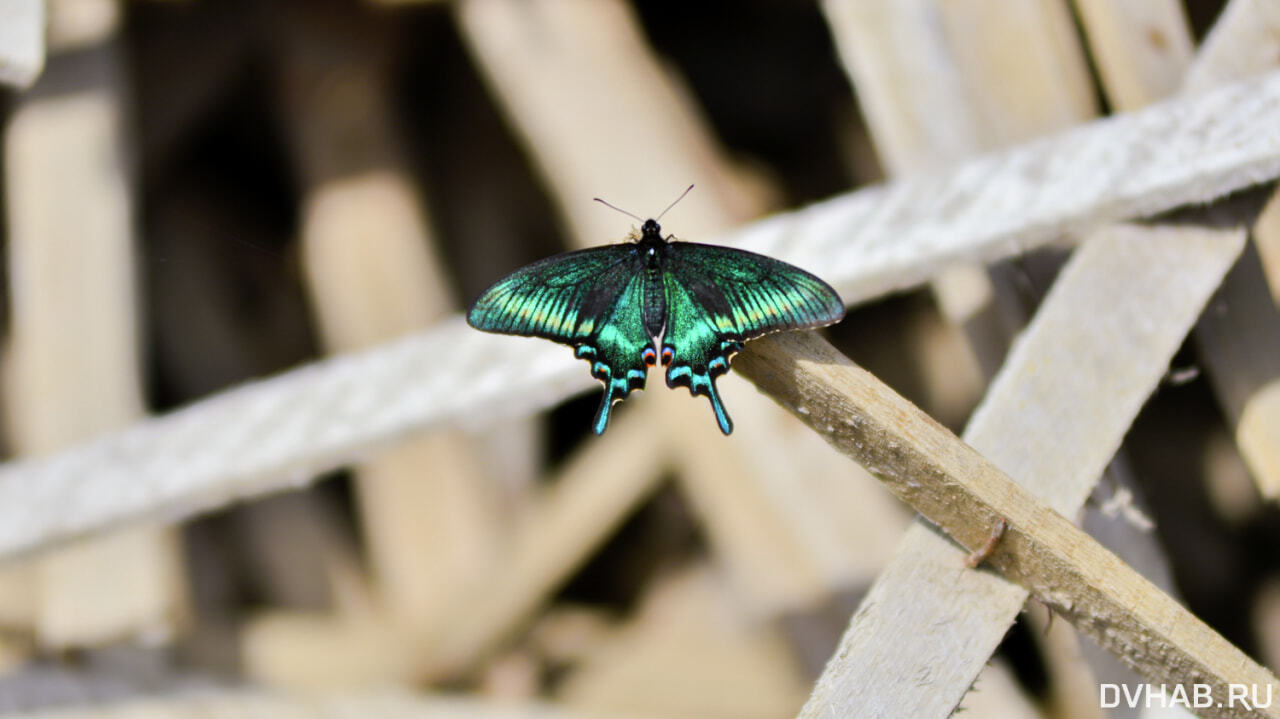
column 625, row 307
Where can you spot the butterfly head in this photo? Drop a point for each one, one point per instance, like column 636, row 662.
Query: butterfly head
column 651, row 231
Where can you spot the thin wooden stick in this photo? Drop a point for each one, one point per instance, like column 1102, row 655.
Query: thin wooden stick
column 268, row 435
column 1053, row 418
column 964, row 494
column 1141, row 50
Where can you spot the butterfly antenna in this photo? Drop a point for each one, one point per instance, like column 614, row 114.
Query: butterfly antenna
column 687, row 190
column 615, row 207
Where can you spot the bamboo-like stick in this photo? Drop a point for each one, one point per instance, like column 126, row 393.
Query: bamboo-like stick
column 270, row 434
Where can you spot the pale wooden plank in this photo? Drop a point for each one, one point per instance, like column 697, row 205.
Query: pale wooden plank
column 1006, row 51
column 78, row 24
column 429, row 515
column 73, row 364
column 692, row 650
column 1141, row 50
column 1239, row 340
column 940, row 82
column 21, row 41
column 382, row 704
column 1239, row 343
column 965, row 494
column 579, row 81
column 1052, row 419
column 594, row 492
column 274, row 433
column 911, row 574
column 1242, row 43
column 897, row 56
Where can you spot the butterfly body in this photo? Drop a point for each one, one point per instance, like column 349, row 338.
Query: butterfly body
column 630, row 306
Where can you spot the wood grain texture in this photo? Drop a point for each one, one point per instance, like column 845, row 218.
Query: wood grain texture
column 964, row 494
column 269, row 434
column 1053, row 418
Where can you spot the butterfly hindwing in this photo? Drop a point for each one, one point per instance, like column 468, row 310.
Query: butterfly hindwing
column 591, row 300
column 719, row 297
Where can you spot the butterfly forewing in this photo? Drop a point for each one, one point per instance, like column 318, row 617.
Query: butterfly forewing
column 591, row 300
column 719, row 297
column 609, row 303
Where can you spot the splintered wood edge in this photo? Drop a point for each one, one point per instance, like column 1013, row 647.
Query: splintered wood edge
column 953, row 486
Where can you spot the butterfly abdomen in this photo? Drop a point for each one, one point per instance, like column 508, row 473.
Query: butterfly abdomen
column 655, row 293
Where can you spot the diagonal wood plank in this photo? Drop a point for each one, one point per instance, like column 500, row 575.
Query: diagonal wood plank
column 1053, row 418
column 268, row 435
column 948, row 481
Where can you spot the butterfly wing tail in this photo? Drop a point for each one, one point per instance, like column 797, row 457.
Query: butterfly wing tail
column 607, row 400
column 702, row 381
column 620, row 370
column 722, row 417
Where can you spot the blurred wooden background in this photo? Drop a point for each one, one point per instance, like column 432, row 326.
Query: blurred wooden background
column 201, row 193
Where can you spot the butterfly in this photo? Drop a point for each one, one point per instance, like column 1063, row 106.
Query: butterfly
column 625, row 307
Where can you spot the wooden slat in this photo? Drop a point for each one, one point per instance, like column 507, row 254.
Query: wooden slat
column 1141, row 50
column 1239, row 340
column 21, row 41
column 590, row 497
column 1241, row 43
column 429, row 515
column 386, row 704
column 965, row 494
column 270, row 434
column 997, row 72
column 579, row 81
column 73, row 358
column 1052, row 419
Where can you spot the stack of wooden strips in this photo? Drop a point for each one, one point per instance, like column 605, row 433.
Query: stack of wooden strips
column 261, row 466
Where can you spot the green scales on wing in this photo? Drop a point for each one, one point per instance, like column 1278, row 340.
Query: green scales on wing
column 625, row 307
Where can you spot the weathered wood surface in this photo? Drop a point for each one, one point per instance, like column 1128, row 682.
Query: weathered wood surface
column 1052, row 419
column 965, row 494
column 916, row 571
column 269, row 434
column 1239, row 339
